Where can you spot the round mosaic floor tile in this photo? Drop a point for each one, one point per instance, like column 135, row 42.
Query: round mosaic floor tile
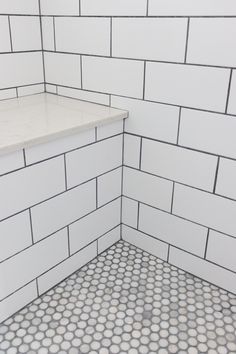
column 125, row 302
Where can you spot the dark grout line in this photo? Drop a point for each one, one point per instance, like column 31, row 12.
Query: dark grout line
column 228, row 92
column 187, row 37
column 10, row 33
column 216, row 175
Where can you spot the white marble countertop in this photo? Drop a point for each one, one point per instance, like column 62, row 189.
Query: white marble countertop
column 31, row 120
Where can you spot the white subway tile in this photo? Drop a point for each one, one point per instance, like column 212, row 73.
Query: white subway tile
column 18, row 300
column 30, row 90
column 5, row 42
column 132, row 150
column 203, row 269
column 114, row 7
column 83, row 35
column 58, row 146
column 94, row 225
column 173, row 230
column 154, row 120
column 29, row 7
column 29, row 264
column 110, row 129
column 66, row 268
column 201, row 87
column 192, row 8
column 146, row 243
column 208, row 132
column 60, row 211
column 20, row 69
column 93, row 160
column 204, row 208
column 63, row 69
column 148, row 189
column 7, row 94
column 178, row 164
column 211, row 41
column 232, row 103
column 84, row 95
column 12, row 161
column 21, row 189
column 117, row 76
column 226, row 178
column 109, row 186
column 15, row 235
column 51, row 88
column 25, row 31
column 221, row 250
column 109, row 239
column 132, row 38
column 129, row 212
column 48, row 33
column 60, row 7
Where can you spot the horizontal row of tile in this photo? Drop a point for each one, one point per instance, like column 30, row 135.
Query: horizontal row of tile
column 201, row 87
column 210, row 40
column 204, row 208
column 206, row 269
column 20, row 33
column 50, row 262
column 21, row 91
column 139, row 7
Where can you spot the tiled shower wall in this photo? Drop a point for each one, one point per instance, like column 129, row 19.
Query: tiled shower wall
column 171, row 64
column 60, row 206
column 21, row 60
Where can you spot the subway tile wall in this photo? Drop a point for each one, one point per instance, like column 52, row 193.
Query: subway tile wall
column 21, row 55
column 171, row 64
column 53, row 219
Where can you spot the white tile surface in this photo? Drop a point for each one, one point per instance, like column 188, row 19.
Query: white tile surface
column 63, row 69
column 132, row 38
column 226, row 178
column 147, row 189
column 51, row 88
column 232, row 103
column 15, row 235
column 117, row 76
column 207, row 209
column 30, row 7
column 83, row 95
column 60, row 211
column 173, row 230
column 211, row 41
column 11, row 162
column 178, row 164
column 221, row 250
column 7, row 94
column 25, row 31
column 60, row 7
column 146, row 243
column 21, row 189
column 109, row 239
column 208, row 132
column 94, row 225
column 203, row 269
column 192, row 8
column 17, row 300
column 21, row 69
column 5, row 43
column 106, row 130
column 83, row 35
column 16, row 272
column 66, row 268
column 30, row 90
column 131, row 150
column 149, row 119
column 48, row 33
column 129, row 212
column 58, row 146
column 93, row 160
column 201, row 87
column 114, row 7
column 109, row 186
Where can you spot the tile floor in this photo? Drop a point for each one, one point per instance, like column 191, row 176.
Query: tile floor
column 125, row 301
